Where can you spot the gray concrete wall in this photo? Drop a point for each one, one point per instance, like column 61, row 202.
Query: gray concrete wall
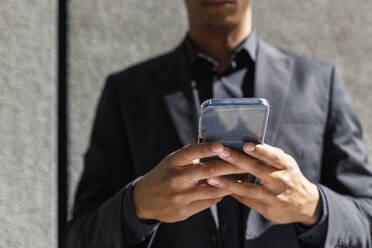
column 336, row 31
column 109, row 35
column 28, row 123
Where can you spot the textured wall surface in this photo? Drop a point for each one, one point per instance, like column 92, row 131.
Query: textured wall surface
column 107, row 36
column 336, row 31
column 27, row 123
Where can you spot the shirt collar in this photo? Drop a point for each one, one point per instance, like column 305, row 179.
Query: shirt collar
column 249, row 45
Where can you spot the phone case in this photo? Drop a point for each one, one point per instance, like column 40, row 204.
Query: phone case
column 234, row 122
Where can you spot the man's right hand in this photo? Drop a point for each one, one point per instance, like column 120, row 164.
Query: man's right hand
column 170, row 191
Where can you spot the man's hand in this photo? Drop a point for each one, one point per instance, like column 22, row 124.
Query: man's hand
column 170, row 192
column 284, row 195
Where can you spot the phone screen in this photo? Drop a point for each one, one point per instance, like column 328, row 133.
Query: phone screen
column 234, row 122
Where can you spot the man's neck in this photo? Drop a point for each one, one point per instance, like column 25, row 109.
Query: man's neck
column 220, row 45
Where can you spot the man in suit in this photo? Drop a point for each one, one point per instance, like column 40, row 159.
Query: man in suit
column 140, row 186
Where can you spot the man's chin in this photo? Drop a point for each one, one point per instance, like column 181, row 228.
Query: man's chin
column 220, row 25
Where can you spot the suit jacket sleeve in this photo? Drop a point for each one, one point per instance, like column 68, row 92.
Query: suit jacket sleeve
column 103, row 210
column 315, row 236
column 346, row 177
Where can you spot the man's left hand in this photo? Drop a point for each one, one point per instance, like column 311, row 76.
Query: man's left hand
column 284, row 196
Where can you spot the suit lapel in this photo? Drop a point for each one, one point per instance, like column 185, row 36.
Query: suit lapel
column 272, row 83
column 273, row 70
column 180, row 99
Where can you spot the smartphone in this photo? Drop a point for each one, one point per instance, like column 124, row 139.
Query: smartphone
column 233, row 122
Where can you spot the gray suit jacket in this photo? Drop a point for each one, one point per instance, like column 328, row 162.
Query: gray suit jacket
column 152, row 105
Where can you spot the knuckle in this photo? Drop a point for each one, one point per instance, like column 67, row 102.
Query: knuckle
column 167, row 158
column 210, row 170
column 290, row 168
column 291, row 164
column 275, row 175
column 170, row 158
column 177, row 199
column 281, row 203
column 277, row 157
column 182, row 178
column 285, row 181
column 174, row 181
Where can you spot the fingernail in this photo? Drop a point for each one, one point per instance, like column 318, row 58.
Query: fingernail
column 217, row 148
column 213, row 181
column 249, row 147
column 226, row 153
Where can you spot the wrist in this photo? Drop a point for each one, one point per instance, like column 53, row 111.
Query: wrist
column 141, row 213
column 314, row 209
